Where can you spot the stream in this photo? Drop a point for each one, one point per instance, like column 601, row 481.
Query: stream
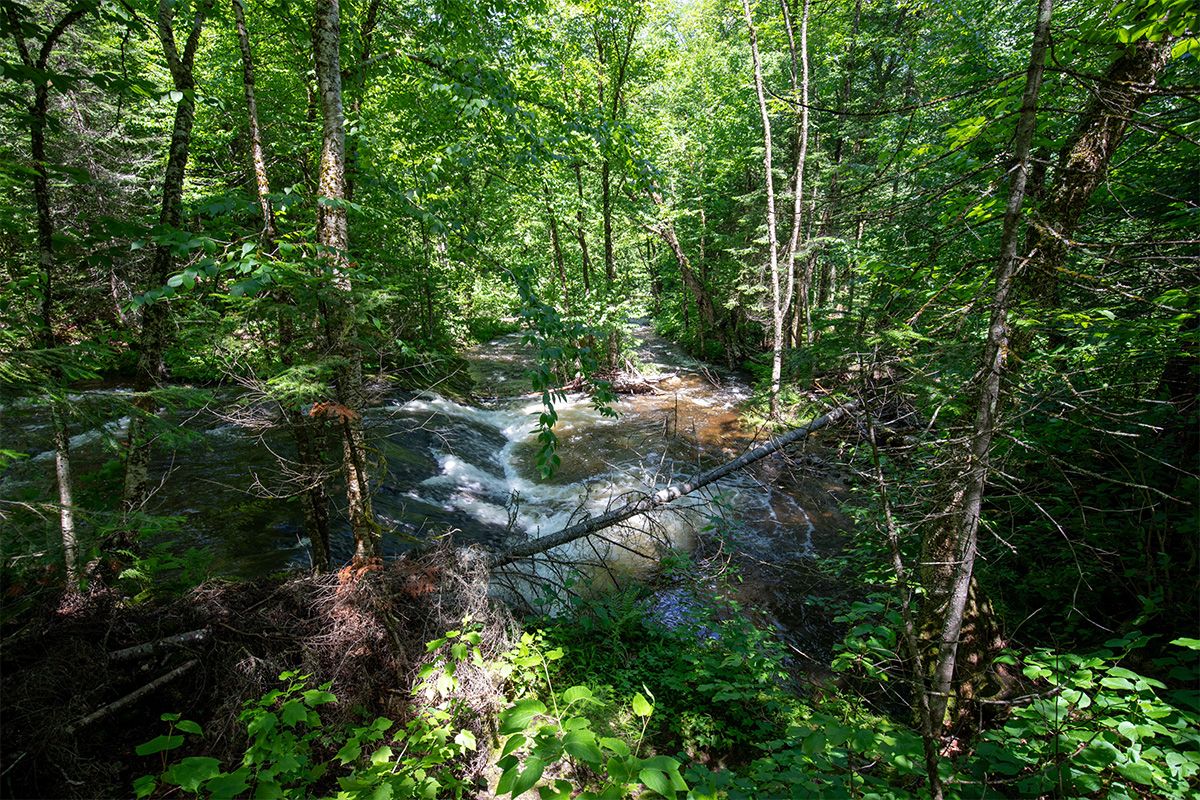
column 445, row 466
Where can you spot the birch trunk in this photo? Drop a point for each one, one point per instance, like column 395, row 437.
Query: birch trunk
column 800, row 90
column 948, row 583
column 314, row 500
column 39, row 117
column 333, row 239
column 777, row 307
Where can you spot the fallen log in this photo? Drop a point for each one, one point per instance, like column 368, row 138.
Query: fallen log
column 670, row 493
column 130, row 698
column 149, row 648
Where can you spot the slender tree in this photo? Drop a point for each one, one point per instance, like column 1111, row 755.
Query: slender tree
column 39, row 112
column 951, row 546
column 800, row 91
column 314, row 499
column 333, row 239
column 152, row 338
column 778, row 309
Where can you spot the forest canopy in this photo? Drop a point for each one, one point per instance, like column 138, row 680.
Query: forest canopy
column 331, row 316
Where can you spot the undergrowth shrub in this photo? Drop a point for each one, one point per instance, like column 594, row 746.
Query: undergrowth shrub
column 719, row 680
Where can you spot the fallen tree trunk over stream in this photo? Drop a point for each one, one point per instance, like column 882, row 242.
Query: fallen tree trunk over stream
column 670, row 493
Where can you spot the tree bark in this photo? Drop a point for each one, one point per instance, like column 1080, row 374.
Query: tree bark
column 313, row 497
column 333, row 240
column 258, row 161
column 777, row 307
column 800, row 89
column 556, row 245
column 1082, row 166
column 581, row 233
column 693, row 283
column 951, row 545
column 39, row 115
column 155, row 316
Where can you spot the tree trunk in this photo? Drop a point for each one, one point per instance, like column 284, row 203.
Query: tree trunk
column 258, row 161
column 152, row 339
column 39, row 114
column 367, row 36
column 313, row 497
column 556, row 246
column 333, row 239
column 671, row 493
column 1082, row 167
column 777, row 307
column 800, row 90
column 951, row 545
column 581, row 233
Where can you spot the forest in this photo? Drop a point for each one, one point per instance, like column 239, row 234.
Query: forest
column 600, row 399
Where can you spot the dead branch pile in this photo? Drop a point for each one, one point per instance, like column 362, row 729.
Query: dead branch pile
column 74, row 679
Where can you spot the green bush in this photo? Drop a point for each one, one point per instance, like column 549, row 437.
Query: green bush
column 1095, row 728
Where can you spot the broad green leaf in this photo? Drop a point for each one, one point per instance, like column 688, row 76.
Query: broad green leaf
column 582, row 745
column 188, row 726
column 293, row 711
column 189, row 773
column 534, row 767
column 615, row 745
column 514, row 742
column 577, row 693
column 227, row 787
column 657, row 781
column 158, row 744
column 518, row 717
column 1137, row 771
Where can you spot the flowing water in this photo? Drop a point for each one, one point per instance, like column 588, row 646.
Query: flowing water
column 446, row 466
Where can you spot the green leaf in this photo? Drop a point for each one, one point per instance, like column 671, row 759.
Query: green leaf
column 515, row 741
column 561, row 791
column 507, row 778
column 658, row 781
column 158, row 744
column 665, row 763
column 262, row 723
column 518, row 717
column 582, row 745
column 268, row 790
column 189, row 773
column 350, row 752
column 534, row 767
column 577, row 693
column 1138, row 772
column 293, row 711
column 465, row 739
column 187, row 726
column 642, row 706
column 615, row 745
column 316, row 697
column 145, row 786
column 227, row 787
column 1190, row 644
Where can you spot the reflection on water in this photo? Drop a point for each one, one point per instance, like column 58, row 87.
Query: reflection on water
column 444, row 465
